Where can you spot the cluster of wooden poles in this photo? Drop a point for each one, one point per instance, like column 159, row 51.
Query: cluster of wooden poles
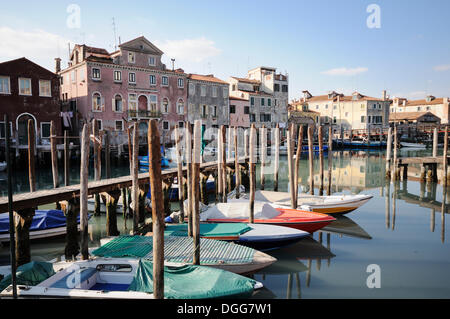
column 21, row 220
column 428, row 164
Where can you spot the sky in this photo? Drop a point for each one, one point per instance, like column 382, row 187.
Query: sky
column 401, row 46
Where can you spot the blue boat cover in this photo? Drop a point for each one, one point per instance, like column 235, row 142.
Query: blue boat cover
column 43, row 219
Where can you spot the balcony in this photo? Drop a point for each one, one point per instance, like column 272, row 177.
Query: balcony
column 143, row 114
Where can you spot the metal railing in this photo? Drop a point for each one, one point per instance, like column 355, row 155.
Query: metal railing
column 144, row 114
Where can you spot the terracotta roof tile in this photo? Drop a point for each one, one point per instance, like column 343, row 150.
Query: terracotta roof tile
column 207, row 78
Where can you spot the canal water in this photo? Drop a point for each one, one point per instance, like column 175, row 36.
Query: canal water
column 395, row 246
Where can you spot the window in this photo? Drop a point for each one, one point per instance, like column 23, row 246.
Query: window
column 419, row 108
column 2, row 130
column 5, row 85
column 131, row 57
column 152, row 80
column 252, row 118
column 363, row 106
column 165, row 105
column 180, row 106
column 180, row 124
column 262, row 101
column 96, row 75
column 204, row 110
column 45, row 129
column 225, row 92
column 363, row 119
column 191, row 89
column 246, row 110
column 97, row 102
column 117, row 103
column 152, row 61
column 276, row 87
column 119, row 125
column 73, row 76
column 24, row 86
column 269, row 102
column 132, row 77
column 117, row 76
column 166, row 126
column 132, row 102
column 164, row 80
column 334, row 107
column 346, row 114
column 214, row 111
column 180, row 82
column 214, row 91
column 45, row 88
column 317, row 107
column 252, row 101
column 61, row 80
column 203, row 90
column 100, row 124
column 284, row 88
column 81, row 75
column 334, row 120
column 153, row 102
column 232, row 109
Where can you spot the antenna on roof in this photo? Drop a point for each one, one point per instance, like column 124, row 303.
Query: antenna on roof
column 115, row 36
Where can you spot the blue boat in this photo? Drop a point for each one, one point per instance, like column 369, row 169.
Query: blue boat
column 316, row 148
column 45, row 224
column 144, row 162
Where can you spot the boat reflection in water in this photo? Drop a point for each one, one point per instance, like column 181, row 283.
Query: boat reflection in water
column 298, row 258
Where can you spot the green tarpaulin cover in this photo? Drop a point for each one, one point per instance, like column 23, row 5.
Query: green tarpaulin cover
column 30, row 274
column 193, row 282
column 209, row 230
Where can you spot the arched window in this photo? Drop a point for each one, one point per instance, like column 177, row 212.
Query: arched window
column 180, row 106
column 165, row 106
column 97, row 102
column 117, row 103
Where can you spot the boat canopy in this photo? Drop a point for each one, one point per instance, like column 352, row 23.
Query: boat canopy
column 43, row 219
column 30, row 274
column 209, row 230
column 193, row 282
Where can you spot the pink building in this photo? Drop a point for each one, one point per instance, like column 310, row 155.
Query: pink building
column 239, row 112
column 131, row 84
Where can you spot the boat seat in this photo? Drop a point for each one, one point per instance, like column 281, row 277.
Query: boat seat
column 87, row 277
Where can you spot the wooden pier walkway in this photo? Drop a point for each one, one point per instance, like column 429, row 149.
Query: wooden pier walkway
column 42, row 197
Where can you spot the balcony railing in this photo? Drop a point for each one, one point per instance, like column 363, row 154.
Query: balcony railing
column 143, row 114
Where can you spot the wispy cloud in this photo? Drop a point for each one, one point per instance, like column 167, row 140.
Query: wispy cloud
column 189, row 50
column 442, row 67
column 345, row 71
column 37, row 45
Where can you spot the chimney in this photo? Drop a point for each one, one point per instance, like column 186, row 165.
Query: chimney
column 384, row 95
column 58, row 65
column 404, row 102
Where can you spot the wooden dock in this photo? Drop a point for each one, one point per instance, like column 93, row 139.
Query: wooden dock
column 42, row 197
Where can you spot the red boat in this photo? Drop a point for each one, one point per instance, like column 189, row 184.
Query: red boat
column 294, row 218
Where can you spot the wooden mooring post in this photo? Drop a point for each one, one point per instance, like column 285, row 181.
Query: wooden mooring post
column 297, row 160
column 290, row 154
column 84, row 175
column 311, row 160
column 66, row 159
column 54, row 154
column 237, row 168
column 252, row 169
column 224, row 164
column 220, row 150
column 97, row 149
column 179, row 170
column 154, row 153
column 277, row 157
column 135, row 173
column 188, row 154
column 321, row 168
column 445, row 160
column 330, row 158
column 263, row 154
column 196, row 159
column 388, row 154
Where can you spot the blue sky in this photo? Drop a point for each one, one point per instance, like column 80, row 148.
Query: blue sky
column 323, row 45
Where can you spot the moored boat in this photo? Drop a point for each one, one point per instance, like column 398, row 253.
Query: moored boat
column 45, row 224
column 237, row 211
column 120, row 278
column 259, row 236
column 334, row 204
column 178, row 250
